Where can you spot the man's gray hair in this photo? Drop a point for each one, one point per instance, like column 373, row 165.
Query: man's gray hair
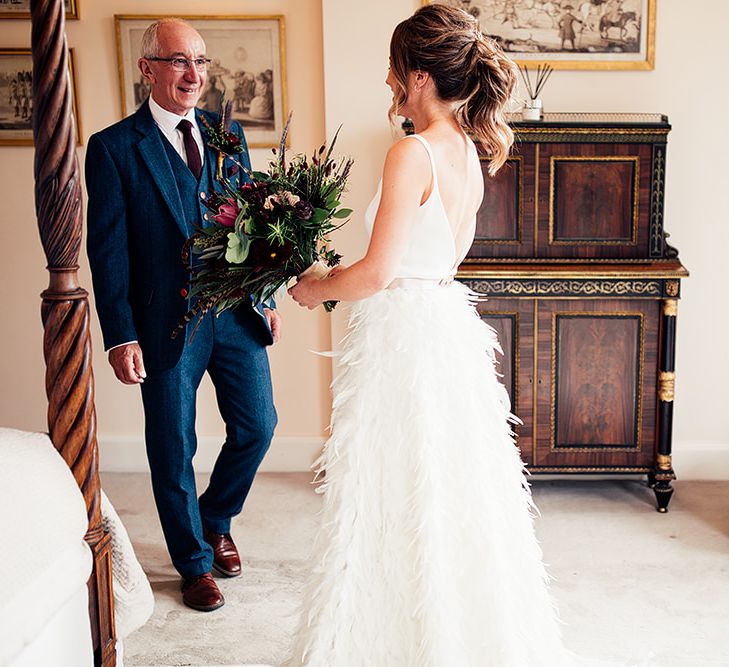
column 150, row 42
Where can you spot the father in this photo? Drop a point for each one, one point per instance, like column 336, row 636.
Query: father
column 147, row 178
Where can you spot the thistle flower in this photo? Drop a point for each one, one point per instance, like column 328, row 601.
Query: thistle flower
column 303, row 210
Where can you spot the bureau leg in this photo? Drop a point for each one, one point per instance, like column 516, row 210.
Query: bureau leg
column 662, row 474
column 663, row 491
column 651, row 478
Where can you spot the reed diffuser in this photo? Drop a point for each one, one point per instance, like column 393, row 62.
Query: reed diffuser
column 533, row 107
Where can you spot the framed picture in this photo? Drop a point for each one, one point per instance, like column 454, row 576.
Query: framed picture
column 16, row 97
column 248, row 68
column 570, row 34
column 20, row 9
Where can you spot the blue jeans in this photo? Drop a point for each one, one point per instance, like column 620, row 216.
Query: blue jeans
column 231, row 348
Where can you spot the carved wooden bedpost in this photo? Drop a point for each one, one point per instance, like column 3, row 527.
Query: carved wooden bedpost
column 65, row 308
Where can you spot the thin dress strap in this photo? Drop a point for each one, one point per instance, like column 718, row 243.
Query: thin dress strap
column 425, row 143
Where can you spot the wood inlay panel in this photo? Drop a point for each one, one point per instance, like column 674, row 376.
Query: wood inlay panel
column 597, row 369
column 594, row 200
column 505, row 219
column 565, row 226
column 506, row 325
column 499, row 217
column 517, row 363
column 557, row 363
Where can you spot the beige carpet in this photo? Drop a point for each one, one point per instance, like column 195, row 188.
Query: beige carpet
column 629, row 581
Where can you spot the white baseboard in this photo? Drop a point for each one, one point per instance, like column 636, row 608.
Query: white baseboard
column 286, row 454
column 704, row 461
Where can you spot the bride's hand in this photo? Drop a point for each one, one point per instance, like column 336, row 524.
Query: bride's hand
column 304, row 292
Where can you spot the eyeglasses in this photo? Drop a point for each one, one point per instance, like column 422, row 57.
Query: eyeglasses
column 184, row 64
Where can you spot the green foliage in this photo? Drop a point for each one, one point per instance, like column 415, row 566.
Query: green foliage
column 238, row 247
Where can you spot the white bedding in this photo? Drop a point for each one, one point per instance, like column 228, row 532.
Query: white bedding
column 44, row 561
column 65, row 641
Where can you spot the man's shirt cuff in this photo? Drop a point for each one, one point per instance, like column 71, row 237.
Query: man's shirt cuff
column 113, row 347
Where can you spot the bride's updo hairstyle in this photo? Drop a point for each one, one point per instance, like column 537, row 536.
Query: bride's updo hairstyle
column 466, row 67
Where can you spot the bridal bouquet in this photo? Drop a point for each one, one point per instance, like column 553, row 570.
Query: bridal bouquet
column 267, row 230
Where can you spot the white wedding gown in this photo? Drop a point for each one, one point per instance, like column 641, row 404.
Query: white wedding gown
column 426, row 556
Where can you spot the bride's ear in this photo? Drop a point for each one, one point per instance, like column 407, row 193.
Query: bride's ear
column 420, row 78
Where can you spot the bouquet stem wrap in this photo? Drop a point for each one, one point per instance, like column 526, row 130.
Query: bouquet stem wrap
column 320, row 270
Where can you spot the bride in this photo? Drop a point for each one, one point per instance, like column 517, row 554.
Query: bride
column 427, row 555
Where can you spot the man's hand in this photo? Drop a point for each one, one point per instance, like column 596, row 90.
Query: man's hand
column 126, row 360
column 274, row 321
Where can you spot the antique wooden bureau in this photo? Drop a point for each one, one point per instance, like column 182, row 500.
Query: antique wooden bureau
column 583, row 289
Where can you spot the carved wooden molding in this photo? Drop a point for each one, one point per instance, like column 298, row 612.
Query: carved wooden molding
column 666, row 386
column 65, row 308
column 670, row 307
column 622, row 288
column 657, row 196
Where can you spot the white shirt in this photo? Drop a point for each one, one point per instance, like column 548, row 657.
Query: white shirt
column 167, row 122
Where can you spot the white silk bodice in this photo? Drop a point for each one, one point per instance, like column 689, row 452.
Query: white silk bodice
column 431, row 253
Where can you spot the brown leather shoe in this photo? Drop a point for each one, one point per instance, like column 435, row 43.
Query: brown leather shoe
column 225, row 556
column 202, row 593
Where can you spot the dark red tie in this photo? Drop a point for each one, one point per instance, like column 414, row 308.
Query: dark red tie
column 191, row 149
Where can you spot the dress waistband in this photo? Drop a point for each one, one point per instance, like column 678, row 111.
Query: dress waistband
column 420, row 283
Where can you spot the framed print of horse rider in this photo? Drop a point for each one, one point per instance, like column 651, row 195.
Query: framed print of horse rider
column 248, row 68
column 570, row 34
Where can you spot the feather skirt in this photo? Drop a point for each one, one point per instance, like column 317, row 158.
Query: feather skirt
column 426, row 555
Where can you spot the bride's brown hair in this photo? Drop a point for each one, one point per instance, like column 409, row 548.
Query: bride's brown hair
column 466, row 67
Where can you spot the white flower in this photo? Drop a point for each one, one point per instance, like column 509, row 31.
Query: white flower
column 284, row 198
column 289, row 198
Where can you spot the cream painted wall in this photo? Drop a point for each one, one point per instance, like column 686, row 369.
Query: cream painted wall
column 355, row 41
column 301, row 382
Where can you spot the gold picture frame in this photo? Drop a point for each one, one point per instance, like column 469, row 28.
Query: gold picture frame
column 20, row 9
column 613, row 35
column 16, row 105
column 248, row 55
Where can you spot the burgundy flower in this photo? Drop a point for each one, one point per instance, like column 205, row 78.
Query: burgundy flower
column 227, row 214
column 264, row 255
column 215, row 200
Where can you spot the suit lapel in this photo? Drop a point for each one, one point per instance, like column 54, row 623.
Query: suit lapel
column 154, row 156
